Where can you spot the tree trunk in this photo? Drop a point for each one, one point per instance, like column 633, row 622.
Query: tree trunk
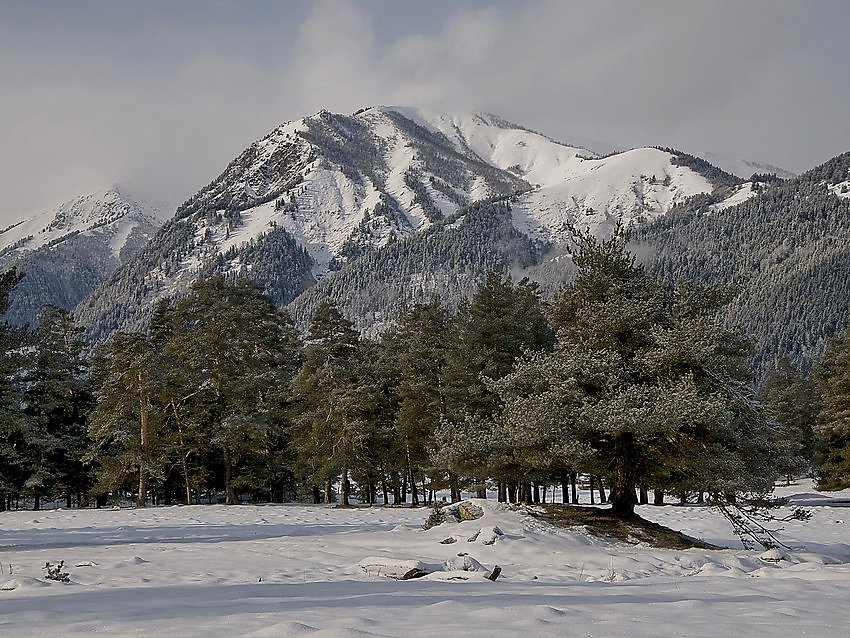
column 184, row 465
column 36, row 506
column 455, row 488
column 644, row 496
column 623, row 499
column 574, row 487
column 346, row 487
column 502, row 492
column 141, row 498
column 512, row 492
column 592, row 497
column 658, row 496
column 396, row 492
column 317, row 495
column 414, row 495
column 229, row 492
column 328, row 492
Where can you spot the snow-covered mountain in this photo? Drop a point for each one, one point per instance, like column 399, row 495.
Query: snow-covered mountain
column 320, row 192
column 64, row 253
column 107, row 214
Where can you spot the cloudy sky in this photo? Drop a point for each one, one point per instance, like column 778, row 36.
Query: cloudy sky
column 160, row 95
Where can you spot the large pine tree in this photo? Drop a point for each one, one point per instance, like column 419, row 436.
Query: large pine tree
column 238, row 354
column 58, row 400
column 334, row 394
column 13, row 424
column 833, row 429
column 643, row 386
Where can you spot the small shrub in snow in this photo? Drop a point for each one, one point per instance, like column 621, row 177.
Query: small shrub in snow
column 436, row 517
column 54, row 572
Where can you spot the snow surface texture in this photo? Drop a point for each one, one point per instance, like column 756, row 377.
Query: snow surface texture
column 107, row 213
column 293, row 570
column 740, row 195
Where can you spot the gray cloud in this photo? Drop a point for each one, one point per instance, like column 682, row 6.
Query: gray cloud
column 161, row 96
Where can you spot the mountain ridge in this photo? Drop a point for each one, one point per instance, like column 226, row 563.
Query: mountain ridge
column 65, row 252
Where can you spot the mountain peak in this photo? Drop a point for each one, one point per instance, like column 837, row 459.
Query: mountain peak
column 100, row 212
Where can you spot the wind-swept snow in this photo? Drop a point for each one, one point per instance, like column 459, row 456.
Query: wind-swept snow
column 293, row 570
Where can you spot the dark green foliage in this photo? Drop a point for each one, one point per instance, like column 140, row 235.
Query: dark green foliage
column 418, row 347
column 333, row 394
column 833, row 428
column 58, row 401
column 643, row 386
column 207, row 386
column 489, row 333
column 275, row 261
column 787, row 250
column 793, row 402
column 240, row 352
column 445, row 261
column 127, row 425
column 13, row 426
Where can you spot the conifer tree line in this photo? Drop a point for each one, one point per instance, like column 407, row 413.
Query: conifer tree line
column 624, row 381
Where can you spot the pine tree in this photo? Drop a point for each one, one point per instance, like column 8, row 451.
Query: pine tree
column 126, row 426
column 58, row 400
column 13, row 424
column 502, row 320
column 334, row 394
column 833, row 428
column 643, row 385
column 794, row 403
column 240, row 353
column 418, row 346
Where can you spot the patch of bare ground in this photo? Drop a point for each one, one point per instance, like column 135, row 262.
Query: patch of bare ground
column 603, row 522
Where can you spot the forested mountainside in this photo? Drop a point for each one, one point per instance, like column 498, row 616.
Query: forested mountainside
column 448, row 261
column 307, row 201
column 787, row 248
column 65, row 253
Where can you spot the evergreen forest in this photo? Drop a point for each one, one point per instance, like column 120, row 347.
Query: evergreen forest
column 623, row 380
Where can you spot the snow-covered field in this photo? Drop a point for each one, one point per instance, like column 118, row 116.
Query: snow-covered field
column 293, row 570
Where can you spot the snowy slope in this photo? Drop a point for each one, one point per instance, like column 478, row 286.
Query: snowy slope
column 326, row 196
column 294, row 570
column 741, row 194
column 572, row 186
column 107, row 214
column 65, row 253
